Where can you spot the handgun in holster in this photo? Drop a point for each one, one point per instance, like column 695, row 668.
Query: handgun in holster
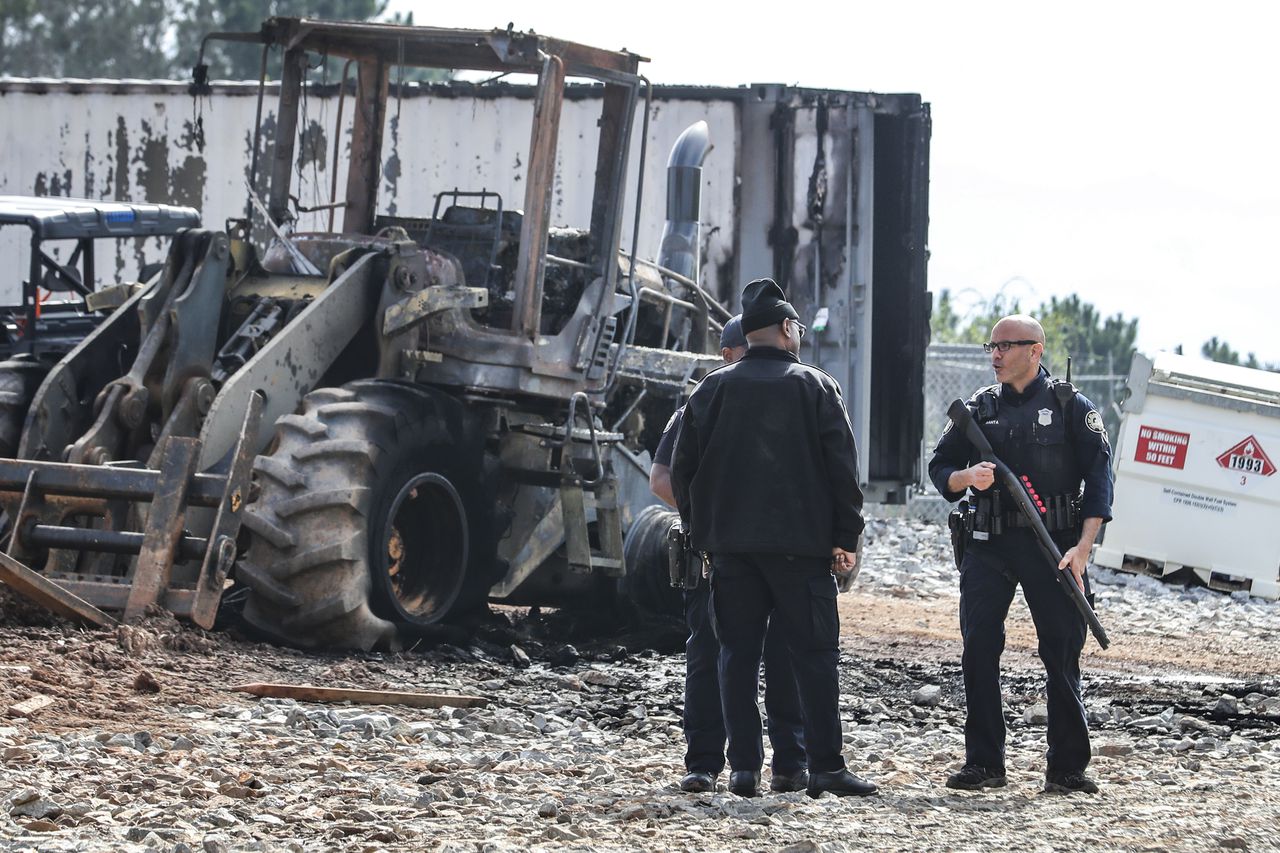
column 958, row 523
column 977, row 519
column 684, row 565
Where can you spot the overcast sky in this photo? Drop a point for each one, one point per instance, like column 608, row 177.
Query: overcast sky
column 1123, row 151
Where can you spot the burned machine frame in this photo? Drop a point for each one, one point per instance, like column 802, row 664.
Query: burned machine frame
column 155, row 464
column 494, row 360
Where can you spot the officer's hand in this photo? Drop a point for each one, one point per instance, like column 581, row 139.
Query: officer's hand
column 1076, row 559
column 981, row 476
column 843, row 562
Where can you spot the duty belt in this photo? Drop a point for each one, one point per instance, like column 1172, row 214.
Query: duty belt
column 988, row 515
column 1062, row 512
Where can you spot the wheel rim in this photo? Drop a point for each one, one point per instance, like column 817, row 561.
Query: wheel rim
column 423, row 556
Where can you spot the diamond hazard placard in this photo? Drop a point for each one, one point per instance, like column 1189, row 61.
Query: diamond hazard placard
column 1248, row 457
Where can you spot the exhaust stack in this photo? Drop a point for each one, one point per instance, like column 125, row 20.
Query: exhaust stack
column 680, row 250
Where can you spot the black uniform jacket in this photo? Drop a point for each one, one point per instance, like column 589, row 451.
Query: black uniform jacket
column 1057, row 447
column 667, row 444
column 765, row 460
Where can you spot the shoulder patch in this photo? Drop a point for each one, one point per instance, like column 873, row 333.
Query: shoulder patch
column 947, row 428
column 671, row 421
column 1093, row 420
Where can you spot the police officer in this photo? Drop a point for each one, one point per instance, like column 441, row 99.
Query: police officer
column 765, row 474
column 703, row 721
column 1046, row 431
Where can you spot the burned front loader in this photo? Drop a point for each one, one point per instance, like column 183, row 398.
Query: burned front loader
column 437, row 410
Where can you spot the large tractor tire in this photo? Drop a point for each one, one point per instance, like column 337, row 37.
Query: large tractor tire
column 20, row 378
column 372, row 518
column 645, row 593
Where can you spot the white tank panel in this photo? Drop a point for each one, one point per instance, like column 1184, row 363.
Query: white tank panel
column 1196, row 478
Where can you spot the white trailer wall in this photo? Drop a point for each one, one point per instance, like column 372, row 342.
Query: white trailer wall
column 140, row 141
column 826, row 191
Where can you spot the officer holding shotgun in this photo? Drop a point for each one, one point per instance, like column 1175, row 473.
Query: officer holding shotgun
column 1053, row 439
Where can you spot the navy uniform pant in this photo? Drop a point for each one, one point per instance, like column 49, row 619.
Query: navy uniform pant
column 989, row 575
column 794, row 596
column 704, row 732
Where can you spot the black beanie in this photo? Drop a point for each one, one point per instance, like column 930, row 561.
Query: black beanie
column 764, row 304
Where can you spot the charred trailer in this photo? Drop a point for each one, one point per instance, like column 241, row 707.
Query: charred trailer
column 835, row 209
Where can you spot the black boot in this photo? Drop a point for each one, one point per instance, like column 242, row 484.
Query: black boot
column 972, row 777
column 698, row 782
column 842, row 783
column 785, row 783
column 745, row 783
column 1069, row 783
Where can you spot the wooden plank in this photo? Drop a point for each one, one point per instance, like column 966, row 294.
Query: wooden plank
column 30, row 707
column 45, row 592
column 311, row 693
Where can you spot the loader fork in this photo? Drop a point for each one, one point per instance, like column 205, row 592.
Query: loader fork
column 42, row 495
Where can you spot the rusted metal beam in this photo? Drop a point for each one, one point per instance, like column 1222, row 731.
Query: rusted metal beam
column 310, row 693
column 46, row 593
column 537, row 199
column 226, row 524
column 103, row 541
column 365, row 161
column 295, row 63
column 489, row 50
column 96, row 481
column 430, row 300
column 164, row 526
column 663, row 367
column 112, row 596
column 616, row 116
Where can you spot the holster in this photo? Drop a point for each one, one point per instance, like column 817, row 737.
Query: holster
column 684, row 565
column 958, row 524
column 986, row 516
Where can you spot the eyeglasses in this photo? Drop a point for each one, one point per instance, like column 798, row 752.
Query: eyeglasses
column 801, row 328
column 1004, row 346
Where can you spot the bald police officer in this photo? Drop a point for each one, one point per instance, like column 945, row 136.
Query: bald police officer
column 765, row 474
column 1055, row 436
column 704, row 733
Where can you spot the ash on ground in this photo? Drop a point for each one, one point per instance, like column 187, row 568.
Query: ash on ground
column 143, row 746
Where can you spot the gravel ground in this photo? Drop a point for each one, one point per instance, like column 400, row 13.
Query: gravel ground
column 145, row 747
